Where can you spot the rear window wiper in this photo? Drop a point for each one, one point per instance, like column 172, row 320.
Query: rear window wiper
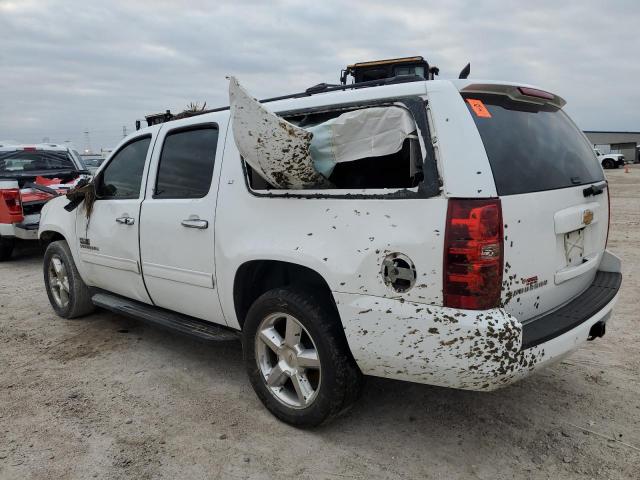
column 594, row 190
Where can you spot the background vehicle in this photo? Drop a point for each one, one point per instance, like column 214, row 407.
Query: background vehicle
column 610, row 160
column 440, row 262
column 390, row 68
column 92, row 161
column 30, row 175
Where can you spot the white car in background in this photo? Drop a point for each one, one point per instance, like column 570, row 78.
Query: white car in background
column 610, row 160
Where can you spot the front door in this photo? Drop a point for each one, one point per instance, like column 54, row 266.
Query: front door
column 177, row 220
column 108, row 237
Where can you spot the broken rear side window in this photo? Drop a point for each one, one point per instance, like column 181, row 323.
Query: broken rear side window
column 357, row 160
column 373, row 147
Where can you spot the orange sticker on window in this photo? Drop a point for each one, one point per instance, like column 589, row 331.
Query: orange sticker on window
column 478, row 108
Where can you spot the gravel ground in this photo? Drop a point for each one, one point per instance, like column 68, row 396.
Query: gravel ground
column 107, row 397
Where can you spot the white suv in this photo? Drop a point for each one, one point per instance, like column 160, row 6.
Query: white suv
column 443, row 232
column 610, row 160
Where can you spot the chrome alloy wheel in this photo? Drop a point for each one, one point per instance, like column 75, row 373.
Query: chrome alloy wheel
column 288, row 360
column 59, row 281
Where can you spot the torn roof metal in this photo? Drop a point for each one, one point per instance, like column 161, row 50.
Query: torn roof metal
column 274, row 148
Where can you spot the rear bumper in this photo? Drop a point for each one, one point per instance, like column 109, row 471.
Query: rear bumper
column 25, row 230
column 600, row 293
column 463, row 348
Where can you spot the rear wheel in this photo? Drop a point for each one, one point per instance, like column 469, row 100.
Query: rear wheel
column 67, row 292
column 6, row 248
column 297, row 358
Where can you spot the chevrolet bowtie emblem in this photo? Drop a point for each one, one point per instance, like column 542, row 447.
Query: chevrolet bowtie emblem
column 587, row 217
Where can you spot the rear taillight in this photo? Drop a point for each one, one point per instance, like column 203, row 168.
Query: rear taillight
column 11, row 197
column 473, row 254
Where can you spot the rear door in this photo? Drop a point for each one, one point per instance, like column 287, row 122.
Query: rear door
column 108, row 237
column 554, row 200
column 177, row 219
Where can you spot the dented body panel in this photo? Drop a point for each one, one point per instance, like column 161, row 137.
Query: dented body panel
column 471, row 350
column 349, row 236
column 344, row 240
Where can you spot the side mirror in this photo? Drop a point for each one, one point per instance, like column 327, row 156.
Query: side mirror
column 86, row 191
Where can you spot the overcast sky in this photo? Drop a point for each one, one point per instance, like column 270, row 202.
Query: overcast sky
column 70, row 66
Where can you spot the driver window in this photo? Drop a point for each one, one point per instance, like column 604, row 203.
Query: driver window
column 122, row 178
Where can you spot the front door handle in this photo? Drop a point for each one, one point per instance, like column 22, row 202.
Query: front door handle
column 125, row 220
column 195, row 223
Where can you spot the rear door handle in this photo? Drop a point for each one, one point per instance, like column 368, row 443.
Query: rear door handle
column 195, row 223
column 125, row 220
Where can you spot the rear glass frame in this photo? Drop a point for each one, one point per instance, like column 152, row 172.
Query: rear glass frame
column 429, row 187
column 524, row 141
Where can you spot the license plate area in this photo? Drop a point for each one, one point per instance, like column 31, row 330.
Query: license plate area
column 574, row 247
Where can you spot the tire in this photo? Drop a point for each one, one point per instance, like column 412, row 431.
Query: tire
column 607, row 163
column 6, row 248
column 322, row 393
column 67, row 292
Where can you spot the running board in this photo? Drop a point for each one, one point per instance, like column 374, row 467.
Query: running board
column 166, row 319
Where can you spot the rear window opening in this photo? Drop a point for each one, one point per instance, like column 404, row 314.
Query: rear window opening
column 395, row 171
column 532, row 147
column 373, row 147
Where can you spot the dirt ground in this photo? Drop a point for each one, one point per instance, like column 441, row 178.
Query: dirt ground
column 107, row 397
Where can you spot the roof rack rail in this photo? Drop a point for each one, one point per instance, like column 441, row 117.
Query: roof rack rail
column 319, row 88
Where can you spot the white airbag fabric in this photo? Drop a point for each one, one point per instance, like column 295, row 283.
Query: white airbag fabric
column 368, row 132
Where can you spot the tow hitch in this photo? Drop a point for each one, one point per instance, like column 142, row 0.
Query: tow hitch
column 597, row 330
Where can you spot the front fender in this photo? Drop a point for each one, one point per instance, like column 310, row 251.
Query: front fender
column 54, row 218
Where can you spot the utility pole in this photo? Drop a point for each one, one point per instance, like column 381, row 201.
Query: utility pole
column 124, row 131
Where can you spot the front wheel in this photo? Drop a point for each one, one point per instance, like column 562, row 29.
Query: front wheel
column 67, row 292
column 298, row 359
column 608, row 163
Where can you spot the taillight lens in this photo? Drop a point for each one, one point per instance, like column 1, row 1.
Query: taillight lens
column 473, row 254
column 11, row 197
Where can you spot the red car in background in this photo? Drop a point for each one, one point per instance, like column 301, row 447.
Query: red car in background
column 30, row 176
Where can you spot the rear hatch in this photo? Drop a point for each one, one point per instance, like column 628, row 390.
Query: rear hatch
column 553, row 194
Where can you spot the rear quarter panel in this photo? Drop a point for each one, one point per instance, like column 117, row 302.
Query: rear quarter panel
column 462, row 161
column 344, row 240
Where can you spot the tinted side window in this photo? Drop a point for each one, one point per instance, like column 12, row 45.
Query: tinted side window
column 186, row 163
column 123, row 176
